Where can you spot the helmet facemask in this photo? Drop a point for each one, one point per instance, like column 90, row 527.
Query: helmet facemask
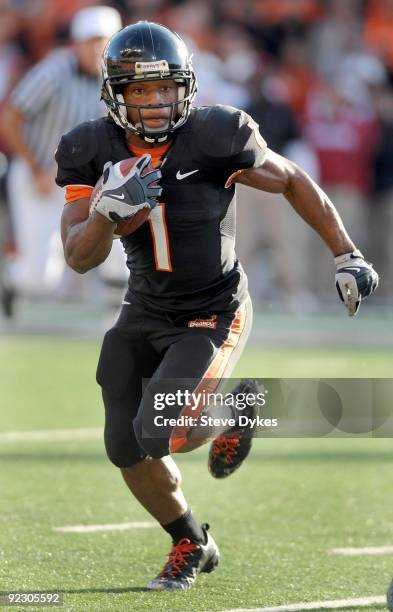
column 112, row 94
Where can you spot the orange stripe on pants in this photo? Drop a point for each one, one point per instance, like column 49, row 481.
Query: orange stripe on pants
column 212, row 377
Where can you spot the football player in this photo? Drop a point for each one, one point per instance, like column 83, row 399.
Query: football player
column 187, row 313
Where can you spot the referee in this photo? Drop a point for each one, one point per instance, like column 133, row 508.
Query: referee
column 55, row 95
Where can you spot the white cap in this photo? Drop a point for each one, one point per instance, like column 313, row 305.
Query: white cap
column 95, row 22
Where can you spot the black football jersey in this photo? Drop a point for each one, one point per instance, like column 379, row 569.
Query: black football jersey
column 183, row 258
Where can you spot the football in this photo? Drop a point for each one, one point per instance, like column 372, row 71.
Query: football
column 128, row 226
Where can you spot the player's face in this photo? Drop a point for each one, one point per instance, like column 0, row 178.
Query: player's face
column 151, row 93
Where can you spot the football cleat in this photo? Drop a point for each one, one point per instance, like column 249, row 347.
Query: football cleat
column 185, row 561
column 229, row 450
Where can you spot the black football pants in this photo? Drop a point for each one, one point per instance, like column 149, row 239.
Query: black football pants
column 196, row 350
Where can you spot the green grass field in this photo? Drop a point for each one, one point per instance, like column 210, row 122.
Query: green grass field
column 275, row 520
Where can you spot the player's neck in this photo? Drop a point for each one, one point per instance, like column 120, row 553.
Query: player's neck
column 133, row 140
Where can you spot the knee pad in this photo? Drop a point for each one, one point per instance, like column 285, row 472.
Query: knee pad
column 122, row 456
column 121, row 446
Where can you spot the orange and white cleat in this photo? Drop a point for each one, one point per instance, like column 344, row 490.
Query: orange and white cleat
column 229, row 450
column 186, row 560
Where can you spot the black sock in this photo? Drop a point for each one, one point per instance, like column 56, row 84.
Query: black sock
column 185, row 527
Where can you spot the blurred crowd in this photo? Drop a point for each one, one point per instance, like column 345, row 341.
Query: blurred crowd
column 317, row 75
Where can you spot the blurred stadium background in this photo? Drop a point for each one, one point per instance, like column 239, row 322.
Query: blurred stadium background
column 317, row 75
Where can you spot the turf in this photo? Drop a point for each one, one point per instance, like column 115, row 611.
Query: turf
column 274, row 520
column 49, row 382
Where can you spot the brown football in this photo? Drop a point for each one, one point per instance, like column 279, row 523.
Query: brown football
column 124, row 228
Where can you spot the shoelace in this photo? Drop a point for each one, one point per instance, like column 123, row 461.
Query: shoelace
column 178, row 556
column 226, row 446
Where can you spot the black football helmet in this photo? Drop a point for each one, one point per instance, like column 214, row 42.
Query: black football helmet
column 141, row 52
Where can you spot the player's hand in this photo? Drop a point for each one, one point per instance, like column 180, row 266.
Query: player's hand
column 355, row 279
column 123, row 196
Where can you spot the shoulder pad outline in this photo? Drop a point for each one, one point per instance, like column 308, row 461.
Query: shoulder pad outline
column 79, row 146
column 215, row 128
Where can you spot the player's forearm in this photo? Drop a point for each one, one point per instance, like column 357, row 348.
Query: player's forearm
column 314, row 206
column 88, row 244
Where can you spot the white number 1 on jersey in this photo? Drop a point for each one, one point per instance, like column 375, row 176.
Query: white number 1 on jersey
column 159, row 233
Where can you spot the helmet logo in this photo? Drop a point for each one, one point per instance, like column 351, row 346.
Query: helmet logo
column 161, row 67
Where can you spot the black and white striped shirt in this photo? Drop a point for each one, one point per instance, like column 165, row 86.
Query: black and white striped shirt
column 54, row 96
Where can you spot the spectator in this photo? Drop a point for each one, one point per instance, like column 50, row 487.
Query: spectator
column 338, row 33
column 237, row 52
column 271, row 22
column 268, row 233
column 193, row 19
column 378, row 31
column 295, row 74
column 213, row 86
column 275, row 119
column 341, row 127
column 301, row 11
column 381, row 207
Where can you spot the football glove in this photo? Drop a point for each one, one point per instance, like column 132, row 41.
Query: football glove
column 355, row 279
column 123, row 196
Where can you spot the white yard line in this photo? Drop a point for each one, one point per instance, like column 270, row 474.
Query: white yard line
column 88, row 433
column 106, row 527
column 337, row 604
column 367, row 550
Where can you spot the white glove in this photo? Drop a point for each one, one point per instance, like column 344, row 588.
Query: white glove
column 355, row 279
column 121, row 196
